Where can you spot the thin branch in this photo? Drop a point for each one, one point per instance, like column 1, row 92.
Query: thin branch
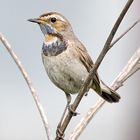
column 116, row 40
column 29, row 83
column 94, row 69
column 132, row 66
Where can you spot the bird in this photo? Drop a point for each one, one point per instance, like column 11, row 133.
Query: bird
column 66, row 59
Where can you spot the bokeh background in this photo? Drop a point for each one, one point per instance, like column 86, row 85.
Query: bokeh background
column 91, row 22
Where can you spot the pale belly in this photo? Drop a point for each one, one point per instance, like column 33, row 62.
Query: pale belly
column 65, row 72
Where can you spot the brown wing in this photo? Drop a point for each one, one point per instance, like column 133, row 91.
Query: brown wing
column 88, row 63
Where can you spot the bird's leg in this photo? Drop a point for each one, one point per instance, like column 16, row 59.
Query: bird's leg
column 58, row 132
column 68, row 96
column 68, row 106
column 63, row 115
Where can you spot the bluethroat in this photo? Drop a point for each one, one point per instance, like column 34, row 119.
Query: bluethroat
column 65, row 58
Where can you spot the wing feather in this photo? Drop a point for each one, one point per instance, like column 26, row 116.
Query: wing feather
column 88, row 63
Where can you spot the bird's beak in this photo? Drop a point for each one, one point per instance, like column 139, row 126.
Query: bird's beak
column 37, row 20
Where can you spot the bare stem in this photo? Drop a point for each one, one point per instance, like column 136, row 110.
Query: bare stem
column 132, row 66
column 29, row 83
column 124, row 33
column 94, row 69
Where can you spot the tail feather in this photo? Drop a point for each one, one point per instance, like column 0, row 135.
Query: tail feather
column 108, row 94
column 112, row 97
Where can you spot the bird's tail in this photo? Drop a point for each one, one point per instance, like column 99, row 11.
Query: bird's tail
column 108, row 94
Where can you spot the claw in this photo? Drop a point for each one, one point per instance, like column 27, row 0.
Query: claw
column 86, row 94
column 74, row 113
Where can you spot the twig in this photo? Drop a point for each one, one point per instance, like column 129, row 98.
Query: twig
column 86, row 119
column 94, row 69
column 124, row 33
column 29, row 83
column 132, row 66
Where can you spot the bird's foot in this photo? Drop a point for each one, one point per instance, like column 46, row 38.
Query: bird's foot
column 73, row 112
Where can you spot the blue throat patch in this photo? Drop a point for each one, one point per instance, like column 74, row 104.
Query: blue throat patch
column 54, row 49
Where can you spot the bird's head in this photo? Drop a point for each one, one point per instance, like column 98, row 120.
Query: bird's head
column 53, row 23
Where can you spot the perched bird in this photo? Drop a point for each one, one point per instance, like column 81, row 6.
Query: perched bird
column 65, row 58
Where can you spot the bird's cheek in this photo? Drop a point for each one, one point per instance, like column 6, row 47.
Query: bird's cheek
column 60, row 27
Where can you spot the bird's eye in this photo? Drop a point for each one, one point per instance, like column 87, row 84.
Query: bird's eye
column 53, row 19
